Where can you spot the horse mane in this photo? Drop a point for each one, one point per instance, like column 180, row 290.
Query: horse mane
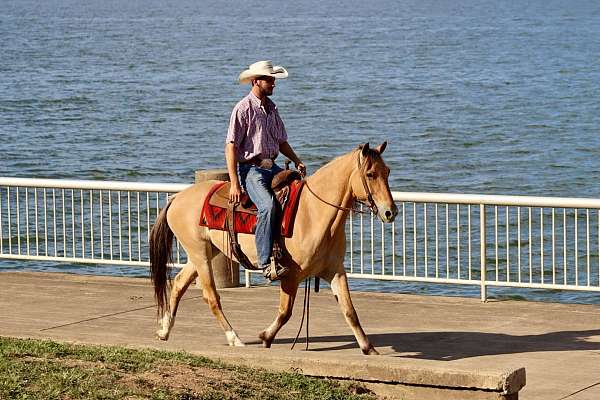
column 371, row 155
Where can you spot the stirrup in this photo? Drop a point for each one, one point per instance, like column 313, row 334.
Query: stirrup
column 275, row 271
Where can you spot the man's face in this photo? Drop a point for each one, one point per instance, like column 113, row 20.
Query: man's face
column 266, row 84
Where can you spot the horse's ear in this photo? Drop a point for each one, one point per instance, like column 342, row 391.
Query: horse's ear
column 381, row 148
column 364, row 148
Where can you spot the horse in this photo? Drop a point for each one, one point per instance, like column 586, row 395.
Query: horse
column 316, row 248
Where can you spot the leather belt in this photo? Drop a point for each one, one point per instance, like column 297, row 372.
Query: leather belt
column 266, row 163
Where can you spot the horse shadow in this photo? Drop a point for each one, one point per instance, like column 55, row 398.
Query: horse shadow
column 449, row 346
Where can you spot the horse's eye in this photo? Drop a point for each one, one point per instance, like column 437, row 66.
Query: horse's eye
column 370, row 175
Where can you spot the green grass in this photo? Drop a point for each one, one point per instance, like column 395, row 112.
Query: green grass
column 40, row 369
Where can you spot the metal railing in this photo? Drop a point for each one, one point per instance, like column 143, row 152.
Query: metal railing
column 518, row 241
column 99, row 222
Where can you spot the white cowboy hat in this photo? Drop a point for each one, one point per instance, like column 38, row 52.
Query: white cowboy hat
column 262, row 68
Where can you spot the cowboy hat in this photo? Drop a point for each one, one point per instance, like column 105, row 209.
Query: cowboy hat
column 262, row 68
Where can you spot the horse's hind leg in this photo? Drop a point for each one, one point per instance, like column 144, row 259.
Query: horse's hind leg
column 287, row 294
column 339, row 286
column 201, row 257
column 180, row 285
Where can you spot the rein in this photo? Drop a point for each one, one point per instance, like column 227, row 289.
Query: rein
column 305, row 311
column 371, row 203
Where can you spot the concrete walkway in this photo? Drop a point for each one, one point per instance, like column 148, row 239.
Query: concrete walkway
column 424, row 341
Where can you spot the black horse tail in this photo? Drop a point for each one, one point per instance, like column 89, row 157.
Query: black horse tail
column 161, row 259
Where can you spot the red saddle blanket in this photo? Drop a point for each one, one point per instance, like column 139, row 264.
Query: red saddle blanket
column 214, row 211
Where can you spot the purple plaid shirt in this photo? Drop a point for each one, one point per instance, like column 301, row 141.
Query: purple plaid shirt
column 255, row 130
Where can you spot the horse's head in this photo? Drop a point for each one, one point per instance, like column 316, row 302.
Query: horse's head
column 369, row 182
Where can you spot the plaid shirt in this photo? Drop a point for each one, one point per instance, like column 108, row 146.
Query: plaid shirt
column 255, row 130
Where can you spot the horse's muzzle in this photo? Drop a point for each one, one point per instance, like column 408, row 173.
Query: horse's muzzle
column 388, row 214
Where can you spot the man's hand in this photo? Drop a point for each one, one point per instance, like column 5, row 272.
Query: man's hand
column 301, row 167
column 235, row 192
column 287, row 151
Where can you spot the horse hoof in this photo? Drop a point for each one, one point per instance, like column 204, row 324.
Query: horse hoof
column 233, row 339
column 266, row 342
column 371, row 351
column 162, row 335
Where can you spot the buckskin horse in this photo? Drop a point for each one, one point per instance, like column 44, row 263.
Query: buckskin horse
column 316, row 247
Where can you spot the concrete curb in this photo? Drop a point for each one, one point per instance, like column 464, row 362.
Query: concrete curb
column 372, row 369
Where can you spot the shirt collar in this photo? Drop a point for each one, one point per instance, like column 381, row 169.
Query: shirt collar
column 269, row 105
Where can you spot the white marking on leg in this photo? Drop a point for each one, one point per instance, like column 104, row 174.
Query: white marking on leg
column 166, row 325
column 233, row 339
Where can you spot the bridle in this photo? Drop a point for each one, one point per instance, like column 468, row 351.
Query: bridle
column 363, row 177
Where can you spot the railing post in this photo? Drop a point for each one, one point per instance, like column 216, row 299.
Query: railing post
column 483, row 270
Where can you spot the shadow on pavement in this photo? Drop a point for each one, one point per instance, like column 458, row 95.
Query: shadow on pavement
column 448, row 346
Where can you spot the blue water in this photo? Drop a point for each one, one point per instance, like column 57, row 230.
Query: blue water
column 473, row 96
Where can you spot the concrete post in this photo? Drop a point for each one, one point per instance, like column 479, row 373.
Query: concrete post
column 223, row 275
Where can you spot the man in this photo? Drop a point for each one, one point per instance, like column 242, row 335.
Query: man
column 255, row 137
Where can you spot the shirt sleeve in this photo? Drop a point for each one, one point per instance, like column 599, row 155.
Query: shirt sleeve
column 282, row 136
column 237, row 127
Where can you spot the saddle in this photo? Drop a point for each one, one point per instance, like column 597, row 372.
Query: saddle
column 218, row 213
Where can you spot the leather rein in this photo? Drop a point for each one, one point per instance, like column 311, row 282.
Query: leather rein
column 371, row 203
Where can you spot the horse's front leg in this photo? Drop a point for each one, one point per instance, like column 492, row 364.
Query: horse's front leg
column 339, row 286
column 287, row 295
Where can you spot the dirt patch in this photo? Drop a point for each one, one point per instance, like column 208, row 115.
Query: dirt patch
column 183, row 378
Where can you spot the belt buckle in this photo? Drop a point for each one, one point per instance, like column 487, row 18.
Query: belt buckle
column 266, row 163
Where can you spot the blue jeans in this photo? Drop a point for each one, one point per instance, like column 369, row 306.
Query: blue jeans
column 257, row 183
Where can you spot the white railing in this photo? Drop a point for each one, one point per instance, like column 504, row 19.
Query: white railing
column 95, row 222
column 519, row 241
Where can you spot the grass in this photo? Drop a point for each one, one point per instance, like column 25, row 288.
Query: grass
column 41, row 369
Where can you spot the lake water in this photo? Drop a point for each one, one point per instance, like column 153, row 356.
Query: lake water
column 473, row 96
